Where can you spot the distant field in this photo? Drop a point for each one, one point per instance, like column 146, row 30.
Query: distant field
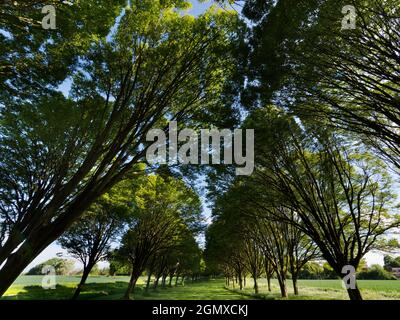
column 329, row 289
column 101, row 287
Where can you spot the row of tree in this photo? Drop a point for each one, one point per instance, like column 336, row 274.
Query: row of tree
column 146, row 224
column 324, row 103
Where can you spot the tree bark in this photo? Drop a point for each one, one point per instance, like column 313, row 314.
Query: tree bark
column 131, row 285
column 269, row 282
column 355, row 294
column 148, row 281
column 295, row 288
column 282, row 286
column 156, row 280
column 255, row 285
column 85, row 275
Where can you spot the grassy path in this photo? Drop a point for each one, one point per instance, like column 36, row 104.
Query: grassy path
column 105, row 288
column 113, row 288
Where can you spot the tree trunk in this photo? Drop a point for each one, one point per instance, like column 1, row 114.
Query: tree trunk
column 15, row 265
column 170, row 281
column 269, row 282
column 295, row 288
column 244, row 281
column 255, row 285
column 240, row 282
column 354, row 294
column 282, row 286
column 131, row 285
column 40, row 237
column 156, row 280
column 176, row 279
column 148, row 281
column 85, row 275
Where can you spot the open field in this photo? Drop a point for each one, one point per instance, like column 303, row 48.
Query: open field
column 28, row 287
column 328, row 290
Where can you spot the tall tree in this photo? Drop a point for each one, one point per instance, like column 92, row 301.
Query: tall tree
column 306, row 56
column 341, row 194
column 89, row 239
column 163, row 214
column 34, row 59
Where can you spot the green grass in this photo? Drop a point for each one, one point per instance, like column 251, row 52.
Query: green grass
column 327, row 290
column 108, row 288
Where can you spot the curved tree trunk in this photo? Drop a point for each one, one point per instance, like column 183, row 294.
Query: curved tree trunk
column 131, row 285
column 148, row 281
column 85, row 275
column 354, row 294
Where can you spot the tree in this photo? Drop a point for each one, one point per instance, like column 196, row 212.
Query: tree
column 391, row 262
column 89, row 239
column 157, row 64
column 376, row 272
column 340, row 193
column 301, row 58
column 34, row 60
column 165, row 209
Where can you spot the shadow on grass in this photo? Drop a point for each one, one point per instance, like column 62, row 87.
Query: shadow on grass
column 65, row 291
column 199, row 290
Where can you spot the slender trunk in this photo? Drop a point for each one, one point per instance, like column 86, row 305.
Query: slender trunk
column 176, row 279
column 269, row 282
column 282, row 286
column 255, row 284
column 170, row 281
column 16, row 263
column 156, row 280
column 131, row 285
column 164, row 277
column 148, row 281
column 85, row 275
column 295, row 288
column 244, row 281
column 240, row 282
column 354, row 294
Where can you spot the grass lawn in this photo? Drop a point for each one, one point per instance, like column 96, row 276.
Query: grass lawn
column 327, row 289
column 107, row 288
